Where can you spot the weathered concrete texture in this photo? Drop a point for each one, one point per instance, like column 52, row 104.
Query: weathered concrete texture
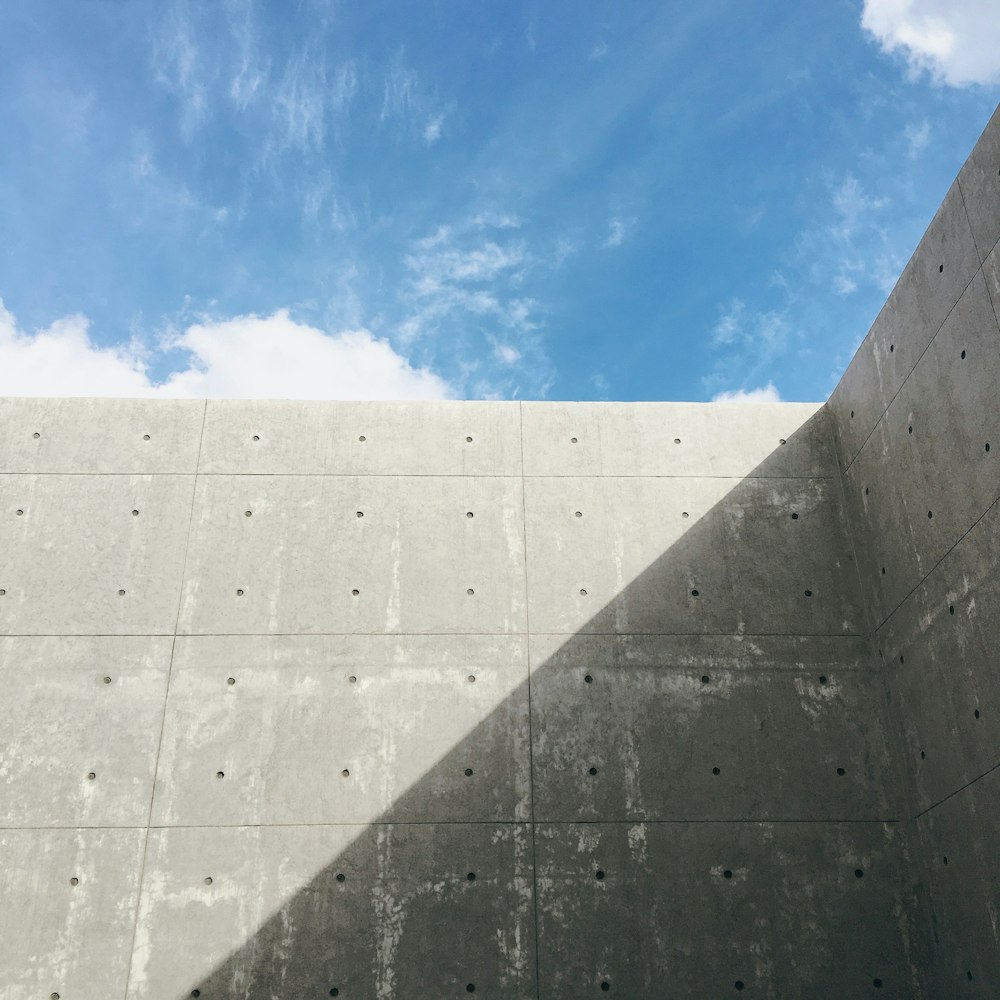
column 918, row 431
column 627, row 654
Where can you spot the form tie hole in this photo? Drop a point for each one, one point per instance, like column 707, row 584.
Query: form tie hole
column 923, row 755
column 471, row 876
column 355, row 593
column 468, row 440
column 471, row 678
column 877, row 983
column 930, row 514
column 677, row 440
column 684, row 513
column 220, row 774
column 694, row 593
column 852, row 414
column 2, row 592
column 579, row 513
column 239, row 593
column 909, row 430
column 107, row 680
column 352, row 679
column 583, row 593
column 841, row 771
column 705, row 678
column 822, row 678
column 91, row 775
column 468, row 772
column 592, row 770
column 940, row 268
column 987, row 446
column 605, row 985
column 976, row 713
column 951, row 609
column 588, row 679
column 470, row 592
column 208, row 880
column 135, row 513
column 74, row 881
column 36, row 435
column 469, row 513
column 572, row 440
column 795, row 517
column 471, row 988
column 963, row 355
column 248, row 513
column 334, row 992
column 866, row 491
column 969, row 975
column 345, row 773
column 19, row 512
column 145, row 437
column 599, row 875
column 362, row 438
column 782, row 441
column 738, row 984
column 944, row 859
column 727, row 874
column 121, row 593
column 341, row 877
column 901, row 658
column 230, row 681
column 859, row 873
column 883, row 571
column 359, row 513
column 892, row 347
column 808, row 593
column 716, row 770
column 256, row 437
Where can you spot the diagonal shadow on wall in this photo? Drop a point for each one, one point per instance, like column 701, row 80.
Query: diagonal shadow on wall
column 694, row 796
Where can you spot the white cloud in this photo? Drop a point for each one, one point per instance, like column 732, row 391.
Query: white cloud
column 507, row 354
column 917, row 137
column 955, row 41
column 598, row 52
column 432, row 130
column 730, row 323
column 763, row 394
column 617, row 230
column 266, row 357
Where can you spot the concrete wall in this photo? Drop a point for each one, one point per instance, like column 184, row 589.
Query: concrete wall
column 917, row 423
column 375, row 700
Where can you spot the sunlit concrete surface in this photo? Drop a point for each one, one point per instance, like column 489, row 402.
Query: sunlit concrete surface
column 526, row 700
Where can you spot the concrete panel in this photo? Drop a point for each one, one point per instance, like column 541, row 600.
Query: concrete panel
column 395, row 713
column 76, row 707
column 979, row 180
column 931, row 283
column 960, row 838
column 100, row 435
column 294, row 564
column 362, row 439
column 67, row 909
column 675, row 439
column 941, row 649
column 92, row 555
column 718, row 910
column 713, row 739
column 277, row 920
column 933, row 436
column 991, row 272
column 671, row 555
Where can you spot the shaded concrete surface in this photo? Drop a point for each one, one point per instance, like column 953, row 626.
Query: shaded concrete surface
column 917, row 422
column 654, row 734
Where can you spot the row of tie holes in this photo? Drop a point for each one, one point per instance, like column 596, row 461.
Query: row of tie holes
column 588, row 679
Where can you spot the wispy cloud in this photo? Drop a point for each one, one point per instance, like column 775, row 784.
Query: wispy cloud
column 764, row 394
column 240, row 357
column 432, row 130
column 598, row 52
column 955, row 41
column 178, row 63
column 617, row 231
column 917, row 137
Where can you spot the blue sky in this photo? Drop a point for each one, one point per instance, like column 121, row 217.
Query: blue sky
column 476, row 200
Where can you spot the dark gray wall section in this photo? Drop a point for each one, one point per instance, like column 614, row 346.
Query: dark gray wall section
column 917, row 424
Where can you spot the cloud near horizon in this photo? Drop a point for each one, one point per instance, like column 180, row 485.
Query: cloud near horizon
column 953, row 40
column 262, row 357
column 764, row 394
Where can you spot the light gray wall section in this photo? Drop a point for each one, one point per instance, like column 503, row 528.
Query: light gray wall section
column 917, row 423
column 268, row 729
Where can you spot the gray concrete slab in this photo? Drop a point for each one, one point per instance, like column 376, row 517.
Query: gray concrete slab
column 108, row 436
column 644, row 739
column 343, row 554
column 932, row 282
column 76, row 560
column 716, row 910
column 940, row 647
column 362, row 439
column 979, row 180
column 675, row 439
column 79, row 727
column 282, row 718
column 959, row 837
column 67, row 910
column 707, row 555
column 276, row 919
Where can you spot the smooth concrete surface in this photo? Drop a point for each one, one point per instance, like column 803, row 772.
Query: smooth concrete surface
column 540, row 700
column 918, row 435
column 377, row 708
